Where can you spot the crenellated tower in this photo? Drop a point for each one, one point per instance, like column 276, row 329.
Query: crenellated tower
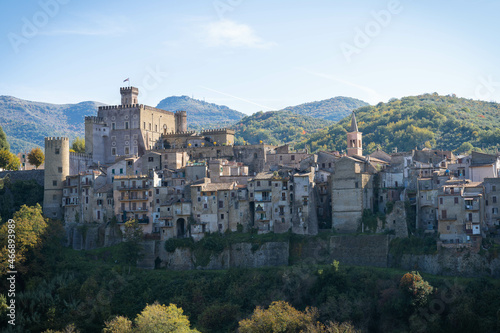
column 56, row 170
column 180, row 121
column 354, row 139
column 129, row 95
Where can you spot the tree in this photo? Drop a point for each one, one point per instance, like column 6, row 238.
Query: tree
column 4, row 144
column 78, row 145
column 36, row 157
column 160, row 318
column 30, row 226
column 416, row 288
column 132, row 248
column 8, row 160
column 465, row 147
column 118, row 324
column 279, row 317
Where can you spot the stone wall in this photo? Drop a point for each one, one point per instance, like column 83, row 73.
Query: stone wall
column 360, row 250
column 452, row 262
column 36, row 175
column 241, row 255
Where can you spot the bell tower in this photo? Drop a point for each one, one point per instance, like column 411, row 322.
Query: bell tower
column 354, row 139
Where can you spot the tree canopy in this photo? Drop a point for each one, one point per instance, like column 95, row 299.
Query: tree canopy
column 4, row 144
column 78, row 145
column 36, row 157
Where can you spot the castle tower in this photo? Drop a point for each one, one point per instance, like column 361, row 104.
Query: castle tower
column 180, row 121
column 56, row 170
column 354, row 139
column 129, row 95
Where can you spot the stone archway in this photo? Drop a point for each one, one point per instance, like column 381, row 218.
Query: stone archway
column 181, row 227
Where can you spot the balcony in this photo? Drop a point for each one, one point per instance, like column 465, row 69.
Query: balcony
column 133, row 199
column 133, row 188
column 448, row 217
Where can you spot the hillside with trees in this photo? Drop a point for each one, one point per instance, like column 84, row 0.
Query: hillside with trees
column 27, row 123
column 276, row 127
column 200, row 114
column 333, row 109
column 429, row 120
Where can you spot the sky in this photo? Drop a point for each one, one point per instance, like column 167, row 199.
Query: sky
column 249, row 55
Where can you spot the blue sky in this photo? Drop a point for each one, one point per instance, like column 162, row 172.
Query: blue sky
column 249, row 55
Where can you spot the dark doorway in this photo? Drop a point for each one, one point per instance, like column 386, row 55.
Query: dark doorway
column 180, row 228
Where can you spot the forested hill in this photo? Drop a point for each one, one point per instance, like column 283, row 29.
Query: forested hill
column 276, row 127
column 330, row 109
column 429, row 120
column 27, row 123
column 201, row 114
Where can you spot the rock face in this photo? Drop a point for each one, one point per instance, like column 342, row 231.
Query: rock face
column 87, row 237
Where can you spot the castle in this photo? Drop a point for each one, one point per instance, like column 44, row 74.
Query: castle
column 141, row 163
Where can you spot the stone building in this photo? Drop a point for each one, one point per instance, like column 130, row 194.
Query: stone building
column 460, row 213
column 129, row 128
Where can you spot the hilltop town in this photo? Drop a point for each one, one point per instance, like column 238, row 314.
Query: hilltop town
column 141, row 163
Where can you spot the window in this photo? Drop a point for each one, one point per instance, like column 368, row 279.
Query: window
column 269, row 183
column 222, row 216
column 199, row 199
column 57, row 151
column 493, row 188
column 157, row 191
column 144, row 125
column 86, row 200
column 494, row 199
column 113, row 152
column 494, row 210
column 126, row 125
column 292, row 157
column 205, row 206
column 127, row 150
column 151, row 159
column 356, row 185
column 121, row 171
column 59, row 169
column 258, row 183
column 113, row 126
column 470, row 217
column 455, row 200
column 54, row 183
column 156, row 128
column 113, row 171
column 221, row 204
column 443, row 214
column 440, row 201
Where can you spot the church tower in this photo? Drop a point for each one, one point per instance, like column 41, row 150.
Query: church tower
column 354, row 139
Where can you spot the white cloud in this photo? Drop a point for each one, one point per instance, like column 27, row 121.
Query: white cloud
column 233, row 34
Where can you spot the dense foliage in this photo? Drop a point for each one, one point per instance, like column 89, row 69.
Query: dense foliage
column 15, row 194
column 27, row 123
column 91, row 288
column 4, row 144
column 430, row 120
column 9, row 161
column 333, row 109
column 200, row 114
column 276, row 127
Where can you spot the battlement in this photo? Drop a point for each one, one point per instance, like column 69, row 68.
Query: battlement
column 80, row 155
column 218, row 131
column 56, row 139
column 180, row 112
column 129, row 90
column 94, row 119
column 179, row 134
column 112, row 107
